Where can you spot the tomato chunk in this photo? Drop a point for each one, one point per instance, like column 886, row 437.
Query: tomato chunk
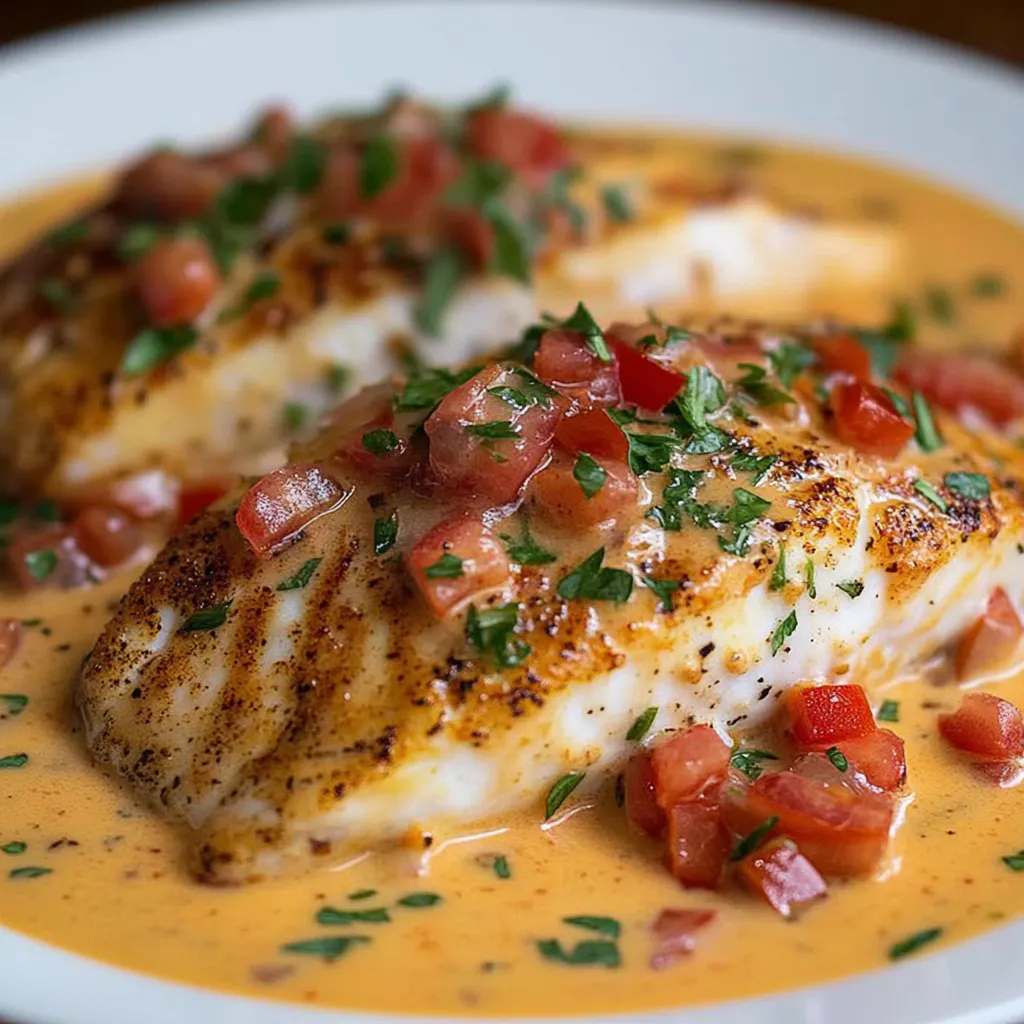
column 688, row 764
column 644, row 381
column 782, row 875
column 198, row 498
column 107, row 534
column 675, row 934
column 840, row 831
column 457, row 561
column 594, row 432
column 530, row 146
column 565, row 361
column 843, row 353
column 283, row 503
column 10, row 638
column 821, row 716
column 879, row 756
column 176, row 280
column 959, row 380
column 169, row 186
column 990, row 643
column 49, row 558
column 866, row 419
column 698, row 844
column 483, row 445
column 985, row 725
column 560, row 496
column 641, row 803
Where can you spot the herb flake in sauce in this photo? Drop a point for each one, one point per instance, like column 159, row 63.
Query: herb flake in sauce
column 14, row 761
column 330, row 948
column 591, row 951
column 207, row 618
column 663, row 590
column 560, row 792
column 332, row 916
column 154, row 346
column 419, row 899
column 302, row 576
column 970, row 486
column 385, row 533
column 783, row 631
column 749, row 762
column 913, row 943
column 589, row 474
column 642, row 725
column 602, row 925
column 889, row 711
column 590, row 580
column 750, row 842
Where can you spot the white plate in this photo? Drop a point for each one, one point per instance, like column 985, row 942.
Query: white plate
column 86, row 97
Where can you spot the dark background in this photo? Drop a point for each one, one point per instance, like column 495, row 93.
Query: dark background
column 993, row 27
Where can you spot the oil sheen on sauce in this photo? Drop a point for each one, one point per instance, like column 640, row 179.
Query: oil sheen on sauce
column 110, row 882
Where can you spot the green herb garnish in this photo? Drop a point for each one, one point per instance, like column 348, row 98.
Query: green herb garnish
column 939, row 303
column 56, row 293
column 758, row 465
column 30, row 872
column 889, row 711
column 331, row 948
column 812, row 590
column 14, row 848
column 495, row 430
column 749, row 761
column 331, row 916
column 663, row 589
column 379, row 167
column 41, row 563
column 1014, row 861
column 301, row 577
column 585, row 324
column 513, row 248
column 560, row 791
column 617, row 204
column 380, row 441
column 295, row 415
column 783, row 631
column 642, row 726
column 362, row 894
column 589, row 474
column 927, row 435
column 749, row 843
column 492, row 630
column 419, row 899
column 14, row 761
column 913, row 943
column 602, row 925
column 592, row 951
column 592, row 581
column 924, row 488
column 385, row 533
column 838, row 758
column 650, row 453
column 207, row 618
column 972, row 486
column 755, row 384
column 852, row 588
column 425, row 389
column 154, row 346
column 447, row 567
column 789, row 361
column 524, row 549
column 445, row 270
column 137, row 240
column 304, row 167
column 778, row 578
column 987, row 286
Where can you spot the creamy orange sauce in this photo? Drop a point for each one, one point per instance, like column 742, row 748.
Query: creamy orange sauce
column 116, row 888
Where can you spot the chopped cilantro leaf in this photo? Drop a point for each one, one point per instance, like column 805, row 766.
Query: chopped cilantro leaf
column 853, row 588
column 901, row 326
column 702, row 396
column 650, row 453
column 380, row 441
column 385, row 533
column 747, row 462
column 12, row 704
column 987, row 286
column 492, row 630
column 420, row 899
column 750, row 842
column 332, row 916
column 14, row 761
column 617, row 204
column 778, row 578
column 585, row 324
column 154, row 346
column 592, row 581
column 642, row 725
column 812, row 590
column 40, row 563
column 972, row 486
column 927, row 436
column 302, row 576
column 425, row 389
column 560, row 791
column 1014, row 861
column 783, row 631
column 379, row 166
column 738, row 545
column 663, row 589
column 939, row 303
column 207, row 618
column 445, row 270
column 295, row 415
column 304, row 166
column 513, row 248
column 330, row 947
column 749, row 761
column 447, row 567
column 494, row 430
column 589, row 474
column 789, row 360
column 137, row 240
column 602, row 925
column 924, row 488
column 524, row 549
column 754, row 384
column 913, row 943
column 889, row 711
column 591, row 951
column 838, row 758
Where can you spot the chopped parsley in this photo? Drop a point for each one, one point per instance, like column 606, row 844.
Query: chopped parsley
column 445, row 269
column 927, row 435
column 755, row 384
column 331, row 916
column 14, row 761
column 379, row 166
column 703, row 395
column 939, row 303
column 330, row 947
column 642, row 725
column 902, row 325
column 812, row 590
column 758, row 465
column 679, row 497
column 494, row 430
column 301, row 577
column 70, row 233
column 338, row 377
column 419, row 899
column 41, row 563
column 14, row 848
column 207, row 618
column 789, row 360
column 496, row 862
column 972, row 486
column 560, row 791
column 362, row 894
column 596, row 582
column 602, row 925
column 778, row 579
column 924, row 488
column 296, row 414
column 987, row 286
column 558, row 195
column 650, row 453
column 750, row 842
column 524, row 549
column 492, row 630
column 425, row 389
column 380, row 441
column 1014, row 861
column 12, row 704
column 617, row 204
column 589, row 474
column 265, row 285
column 852, row 588
column 749, row 762
column 783, row 631
column 385, row 533
column 913, row 943
column 585, row 324
column 883, row 350
column 838, row 758
column 447, row 567
column 663, row 589
column 513, row 249
column 889, row 711
column 30, row 872
column 56, row 293
column 738, row 544
column 591, row 951
column 304, row 166
column 154, row 346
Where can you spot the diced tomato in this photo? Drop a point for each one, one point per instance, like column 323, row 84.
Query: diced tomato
column 686, row 765
column 782, row 875
column 1005, row 774
column 843, row 353
column 425, row 168
column 283, row 503
column 274, row 131
column 49, row 558
column 675, row 934
column 641, row 804
column 565, row 361
column 644, row 381
column 594, row 432
column 472, row 234
column 867, row 420
column 176, row 280
column 198, row 498
column 879, row 756
column 107, row 534
column 10, row 638
column 466, row 454
column 169, row 186
column 698, row 843
column 245, row 161
column 961, row 380
column 532, row 147
column 560, row 496
column 840, row 831
column 985, row 725
column 992, row 641
column 484, row 565
column 369, row 410
column 821, row 716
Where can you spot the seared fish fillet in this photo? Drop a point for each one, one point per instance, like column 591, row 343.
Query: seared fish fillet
column 392, row 668
column 317, row 292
